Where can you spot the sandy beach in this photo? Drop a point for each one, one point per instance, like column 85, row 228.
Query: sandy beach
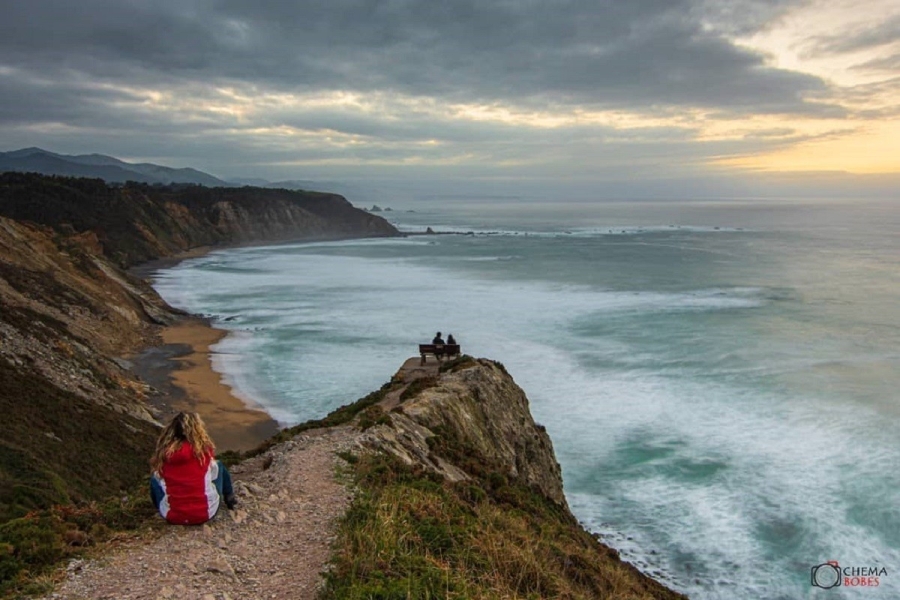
column 181, row 368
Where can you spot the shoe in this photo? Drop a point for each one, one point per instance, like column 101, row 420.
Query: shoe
column 230, row 501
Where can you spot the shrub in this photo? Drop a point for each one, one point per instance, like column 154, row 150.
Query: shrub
column 33, row 545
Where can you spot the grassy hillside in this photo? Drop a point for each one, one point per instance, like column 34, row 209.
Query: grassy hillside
column 410, row 534
column 59, row 448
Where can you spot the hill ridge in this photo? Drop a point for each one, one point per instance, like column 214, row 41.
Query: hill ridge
column 108, row 168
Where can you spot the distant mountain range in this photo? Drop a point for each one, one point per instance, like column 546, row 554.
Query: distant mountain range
column 113, row 170
column 110, row 169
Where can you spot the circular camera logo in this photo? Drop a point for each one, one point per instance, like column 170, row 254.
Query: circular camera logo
column 827, row 575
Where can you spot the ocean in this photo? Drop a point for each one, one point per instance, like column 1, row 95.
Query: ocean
column 720, row 378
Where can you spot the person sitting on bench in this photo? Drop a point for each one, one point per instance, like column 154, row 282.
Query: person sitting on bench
column 438, row 339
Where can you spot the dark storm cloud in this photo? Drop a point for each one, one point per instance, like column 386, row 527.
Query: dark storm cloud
column 598, row 53
column 200, row 83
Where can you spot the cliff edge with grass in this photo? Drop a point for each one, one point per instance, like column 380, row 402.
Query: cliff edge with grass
column 459, row 495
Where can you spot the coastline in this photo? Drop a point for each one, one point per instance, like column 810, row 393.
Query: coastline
column 147, row 269
column 181, row 369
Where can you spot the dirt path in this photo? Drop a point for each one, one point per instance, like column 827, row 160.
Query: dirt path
column 274, row 545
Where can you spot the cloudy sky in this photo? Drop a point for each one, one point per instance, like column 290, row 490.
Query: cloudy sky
column 490, row 91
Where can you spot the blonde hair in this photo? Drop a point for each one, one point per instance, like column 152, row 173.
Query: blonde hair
column 185, row 427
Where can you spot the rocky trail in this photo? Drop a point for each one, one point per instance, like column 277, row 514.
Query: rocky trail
column 275, row 544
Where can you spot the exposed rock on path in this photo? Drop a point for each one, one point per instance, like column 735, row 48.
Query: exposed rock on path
column 274, row 545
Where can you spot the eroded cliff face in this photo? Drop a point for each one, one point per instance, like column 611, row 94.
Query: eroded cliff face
column 75, row 425
column 67, row 312
column 471, row 420
column 138, row 223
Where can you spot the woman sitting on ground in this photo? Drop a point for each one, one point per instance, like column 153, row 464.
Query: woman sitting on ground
column 188, row 483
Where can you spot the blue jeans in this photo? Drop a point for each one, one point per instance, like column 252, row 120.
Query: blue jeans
column 222, row 483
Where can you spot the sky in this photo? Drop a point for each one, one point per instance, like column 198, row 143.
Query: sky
column 727, row 96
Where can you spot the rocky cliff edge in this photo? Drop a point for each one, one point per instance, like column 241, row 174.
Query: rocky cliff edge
column 470, row 420
column 460, row 495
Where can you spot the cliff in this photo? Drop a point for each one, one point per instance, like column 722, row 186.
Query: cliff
column 460, row 495
column 470, row 422
column 136, row 223
column 78, row 426
column 438, row 485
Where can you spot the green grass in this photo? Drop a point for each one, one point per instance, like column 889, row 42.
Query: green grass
column 463, row 362
column 33, row 545
column 409, row 534
column 59, row 448
column 60, row 457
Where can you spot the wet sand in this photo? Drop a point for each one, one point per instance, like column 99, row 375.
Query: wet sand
column 181, row 369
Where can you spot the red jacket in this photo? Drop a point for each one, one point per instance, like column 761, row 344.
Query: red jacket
column 190, row 495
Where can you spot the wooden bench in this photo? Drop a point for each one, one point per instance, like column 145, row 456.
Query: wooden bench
column 438, row 350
